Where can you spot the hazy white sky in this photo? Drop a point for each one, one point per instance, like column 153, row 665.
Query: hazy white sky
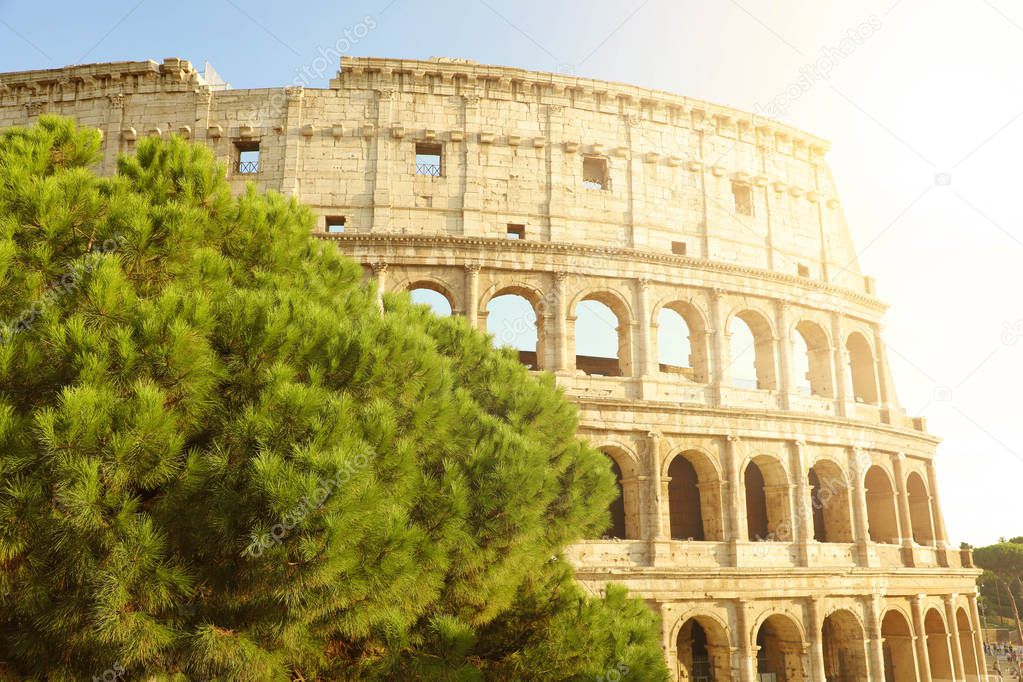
column 925, row 115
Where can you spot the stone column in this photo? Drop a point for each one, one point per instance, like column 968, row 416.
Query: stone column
column 781, row 311
column 953, row 629
column 884, row 393
column 937, row 518
column 859, row 504
column 803, row 520
column 905, row 516
column 115, row 124
column 472, row 293
column 843, row 392
column 380, row 275
column 814, row 635
column 737, row 528
column 290, row 183
column 472, row 198
column 875, row 641
column 379, row 139
column 721, row 371
column 646, row 362
column 920, row 638
column 747, row 653
column 978, row 636
column 559, row 340
column 635, row 236
column 657, row 504
column 557, row 159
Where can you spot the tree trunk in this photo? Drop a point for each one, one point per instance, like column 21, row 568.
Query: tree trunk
column 1015, row 612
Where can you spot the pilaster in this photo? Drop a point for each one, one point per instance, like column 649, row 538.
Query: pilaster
column 920, row 639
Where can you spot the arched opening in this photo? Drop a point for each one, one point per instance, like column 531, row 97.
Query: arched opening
column 812, row 360
column 429, row 294
column 617, row 508
column 920, row 509
column 694, row 498
column 899, row 659
column 752, row 351
column 938, row 653
column 862, row 370
column 511, row 320
column 674, row 343
column 966, row 643
column 882, row 514
column 602, row 343
column 829, row 499
column 681, row 342
column 767, row 500
column 845, row 657
column 702, row 651
column 780, row 651
column 684, row 501
column 801, row 366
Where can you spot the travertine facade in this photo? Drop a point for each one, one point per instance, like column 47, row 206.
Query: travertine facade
column 791, row 528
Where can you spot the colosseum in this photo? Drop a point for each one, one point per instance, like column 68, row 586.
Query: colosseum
column 778, row 509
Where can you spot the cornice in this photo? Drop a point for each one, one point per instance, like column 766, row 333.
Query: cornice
column 562, row 86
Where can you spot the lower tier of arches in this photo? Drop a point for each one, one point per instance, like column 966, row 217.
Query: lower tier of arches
column 849, row 638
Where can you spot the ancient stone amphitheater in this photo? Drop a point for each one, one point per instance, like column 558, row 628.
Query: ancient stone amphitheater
column 783, row 520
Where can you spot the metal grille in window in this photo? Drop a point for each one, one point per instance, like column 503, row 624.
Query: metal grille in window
column 425, row 168
column 248, row 166
column 701, row 670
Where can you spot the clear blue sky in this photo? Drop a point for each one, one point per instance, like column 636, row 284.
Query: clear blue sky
column 934, row 89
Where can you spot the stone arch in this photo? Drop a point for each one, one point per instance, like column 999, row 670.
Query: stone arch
column 862, row 368
column 939, row 655
column 829, row 501
column 897, row 647
column 779, row 646
column 920, row 509
column 695, row 326
column 624, row 510
column 435, row 285
column 844, row 649
column 621, row 364
column 758, row 325
column 527, row 336
column 882, row 506
column 766, row 485
column 694, row 497
column 816, row 360
column 971, row 665
column 702, row 648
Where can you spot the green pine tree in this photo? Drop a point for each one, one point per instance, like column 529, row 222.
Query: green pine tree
column 220, row 460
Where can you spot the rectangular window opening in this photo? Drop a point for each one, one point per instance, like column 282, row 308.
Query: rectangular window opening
column 742, row 194
column 804, row 270
column 246, row 157
column 595, row 173
column 334, row 224
column 678, row 248
column 428, row 159
column 516, row 231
